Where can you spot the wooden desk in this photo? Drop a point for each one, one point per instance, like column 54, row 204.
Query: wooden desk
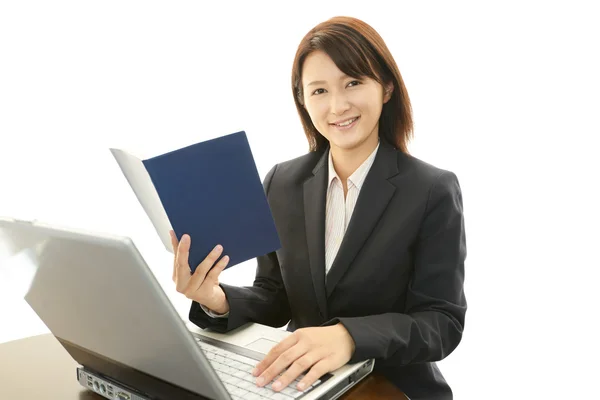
column 39, row 367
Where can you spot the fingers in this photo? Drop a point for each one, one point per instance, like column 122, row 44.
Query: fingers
column 275, row 352
column 174, row 245
column 317, row 371
column 198, row 278
column 214, row 273
column 301, row 365
column 282, row 362
column 183, row 252
column 182, row 268
column 206, row 264
column 186, row 282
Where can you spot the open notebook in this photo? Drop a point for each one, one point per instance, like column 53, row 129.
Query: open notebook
column 210, row 190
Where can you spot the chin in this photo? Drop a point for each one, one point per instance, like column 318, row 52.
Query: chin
column 349, row 143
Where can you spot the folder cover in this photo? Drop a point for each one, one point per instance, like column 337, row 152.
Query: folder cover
column 210, row 190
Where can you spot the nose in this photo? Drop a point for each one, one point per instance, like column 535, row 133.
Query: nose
column 339, row 104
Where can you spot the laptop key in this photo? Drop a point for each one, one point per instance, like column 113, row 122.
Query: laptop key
column 280, row 396
column 239, row 392
column 253, row 396
column 291, row 392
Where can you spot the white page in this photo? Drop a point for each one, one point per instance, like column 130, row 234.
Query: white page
column 141, row 183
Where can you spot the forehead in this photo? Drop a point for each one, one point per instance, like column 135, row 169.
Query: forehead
column 319, row 66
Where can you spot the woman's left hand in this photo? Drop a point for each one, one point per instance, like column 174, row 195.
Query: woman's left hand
column 320, row 349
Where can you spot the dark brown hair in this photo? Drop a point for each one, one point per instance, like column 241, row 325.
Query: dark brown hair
column 358, row 51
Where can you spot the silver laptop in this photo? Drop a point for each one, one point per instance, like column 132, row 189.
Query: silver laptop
column 98, row 297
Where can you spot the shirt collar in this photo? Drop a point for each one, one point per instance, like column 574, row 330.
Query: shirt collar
column 358, row 177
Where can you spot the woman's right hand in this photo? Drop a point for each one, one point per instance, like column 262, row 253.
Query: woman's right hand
column 203, row 285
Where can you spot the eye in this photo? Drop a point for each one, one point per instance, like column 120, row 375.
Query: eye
column 354, row 83
column 315, row 92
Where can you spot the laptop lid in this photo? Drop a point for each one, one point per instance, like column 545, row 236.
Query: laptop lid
column 98, row 297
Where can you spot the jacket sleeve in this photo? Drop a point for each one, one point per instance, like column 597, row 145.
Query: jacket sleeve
column 432, row 325
column 265, row 302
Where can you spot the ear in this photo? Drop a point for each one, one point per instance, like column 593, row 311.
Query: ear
column 387, row 95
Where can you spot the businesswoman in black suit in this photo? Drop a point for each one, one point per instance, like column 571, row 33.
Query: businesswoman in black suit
column 373, row 239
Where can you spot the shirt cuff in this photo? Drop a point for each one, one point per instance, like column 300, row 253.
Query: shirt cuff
column 212, row 314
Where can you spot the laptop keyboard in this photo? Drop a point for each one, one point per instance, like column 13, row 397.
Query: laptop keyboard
column 235, row 371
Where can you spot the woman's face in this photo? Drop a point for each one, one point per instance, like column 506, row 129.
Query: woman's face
column 345, row 110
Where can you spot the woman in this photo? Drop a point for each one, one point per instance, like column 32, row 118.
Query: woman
column 392, row 289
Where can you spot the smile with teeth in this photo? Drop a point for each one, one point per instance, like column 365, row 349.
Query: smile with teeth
column 346, row 123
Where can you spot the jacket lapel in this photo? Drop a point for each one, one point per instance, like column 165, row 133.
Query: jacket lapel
column 372, row 201
column 315, row 198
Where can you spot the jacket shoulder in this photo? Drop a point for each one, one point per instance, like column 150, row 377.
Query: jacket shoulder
column 423, row 171
column 295, row 170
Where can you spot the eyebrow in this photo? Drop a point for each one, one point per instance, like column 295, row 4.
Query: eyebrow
column 317, row 83
column 323, row 82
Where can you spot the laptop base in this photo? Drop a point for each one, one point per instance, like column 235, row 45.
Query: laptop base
column 106, row 387
column 112, row 390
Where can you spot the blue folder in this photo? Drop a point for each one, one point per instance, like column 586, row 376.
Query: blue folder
column 210, row 190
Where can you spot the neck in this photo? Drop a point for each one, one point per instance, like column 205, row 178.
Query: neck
column 346, row 161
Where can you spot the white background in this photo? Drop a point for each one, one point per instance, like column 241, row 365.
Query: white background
column 504, row 94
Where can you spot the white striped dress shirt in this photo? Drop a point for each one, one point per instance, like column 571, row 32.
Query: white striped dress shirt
column 339, row 210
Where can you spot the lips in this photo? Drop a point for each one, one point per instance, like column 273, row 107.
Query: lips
column 346, row 122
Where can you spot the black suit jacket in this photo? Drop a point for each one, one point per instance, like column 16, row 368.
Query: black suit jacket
column 396, row 283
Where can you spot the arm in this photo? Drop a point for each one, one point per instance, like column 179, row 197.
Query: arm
column 436, row 306
column 265, row 302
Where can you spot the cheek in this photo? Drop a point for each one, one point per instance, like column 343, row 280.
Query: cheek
column 317, row 115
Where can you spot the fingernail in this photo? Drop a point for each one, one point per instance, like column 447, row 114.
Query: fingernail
column 260, row 381
column 301, row 386
column 277, row 385
column 254, row 371
column 218, row 247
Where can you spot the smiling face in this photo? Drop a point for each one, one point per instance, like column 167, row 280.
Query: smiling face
column 344, row 109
